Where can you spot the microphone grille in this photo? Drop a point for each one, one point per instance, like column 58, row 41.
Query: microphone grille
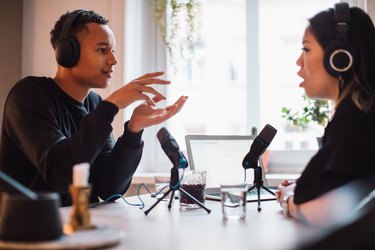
column 267, row 134
column 162, row 134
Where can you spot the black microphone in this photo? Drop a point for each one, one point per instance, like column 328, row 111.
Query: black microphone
column 171, row 149
column 259, row 145
column 11, row 186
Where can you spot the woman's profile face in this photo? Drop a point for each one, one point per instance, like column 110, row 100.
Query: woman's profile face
column 317, row 82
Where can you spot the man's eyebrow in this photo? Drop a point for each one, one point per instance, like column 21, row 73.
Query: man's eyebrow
column 103, row 44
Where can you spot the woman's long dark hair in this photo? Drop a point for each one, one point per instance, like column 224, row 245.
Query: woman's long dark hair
column 359, row 81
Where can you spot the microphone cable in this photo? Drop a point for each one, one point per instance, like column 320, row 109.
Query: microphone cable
column 141, row 205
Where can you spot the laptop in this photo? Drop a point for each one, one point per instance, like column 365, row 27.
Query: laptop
column 221, row 156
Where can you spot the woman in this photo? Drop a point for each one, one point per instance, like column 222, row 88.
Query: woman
column 336, row 63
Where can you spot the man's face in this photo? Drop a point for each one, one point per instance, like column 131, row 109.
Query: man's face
column 95, row 65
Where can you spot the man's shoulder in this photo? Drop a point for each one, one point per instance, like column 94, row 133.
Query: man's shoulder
column 31, row 89
column 34, row 80
column 31, row 82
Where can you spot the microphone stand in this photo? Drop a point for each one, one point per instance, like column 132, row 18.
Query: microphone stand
column 173, row 186
column 258, row 184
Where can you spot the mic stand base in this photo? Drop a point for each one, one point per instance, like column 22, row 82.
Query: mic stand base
column 258, row 184
column 173, row 186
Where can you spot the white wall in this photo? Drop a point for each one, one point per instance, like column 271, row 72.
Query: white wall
column 39, row 17
column 11, row 56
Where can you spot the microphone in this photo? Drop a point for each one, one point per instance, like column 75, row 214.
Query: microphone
column 171, row 149
column 10, row 185
column 259, row 145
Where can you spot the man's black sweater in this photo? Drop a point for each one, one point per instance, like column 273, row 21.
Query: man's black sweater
column 45, row 132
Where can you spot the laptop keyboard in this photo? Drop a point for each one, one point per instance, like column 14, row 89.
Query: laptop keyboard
column 252, row 195
column 251, row 192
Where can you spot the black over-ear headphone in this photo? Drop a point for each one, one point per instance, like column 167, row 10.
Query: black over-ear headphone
column 337, row 56
column 67, row 47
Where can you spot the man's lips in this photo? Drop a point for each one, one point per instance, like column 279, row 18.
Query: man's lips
column 108, row 73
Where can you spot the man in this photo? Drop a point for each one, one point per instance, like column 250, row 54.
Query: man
column 51, row 124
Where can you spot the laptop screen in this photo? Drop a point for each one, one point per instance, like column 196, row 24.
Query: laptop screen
column 221, row 156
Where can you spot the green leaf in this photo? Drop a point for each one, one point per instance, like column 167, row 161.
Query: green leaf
column 314, row 111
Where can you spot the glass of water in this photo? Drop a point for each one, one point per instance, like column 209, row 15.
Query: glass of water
column 233, row 200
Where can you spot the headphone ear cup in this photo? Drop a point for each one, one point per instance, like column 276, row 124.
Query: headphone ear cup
column 338, row 58
column 67, row 51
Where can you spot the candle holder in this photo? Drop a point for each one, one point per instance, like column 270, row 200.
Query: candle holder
column 80, row 216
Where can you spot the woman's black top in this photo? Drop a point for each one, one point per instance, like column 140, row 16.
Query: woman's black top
column 348, row 153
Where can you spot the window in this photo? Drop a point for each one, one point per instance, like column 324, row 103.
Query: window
column 244, row 72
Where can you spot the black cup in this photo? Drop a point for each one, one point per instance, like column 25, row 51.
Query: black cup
column 27, row 220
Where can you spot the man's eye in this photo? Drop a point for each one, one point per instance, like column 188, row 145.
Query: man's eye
column 101, row 50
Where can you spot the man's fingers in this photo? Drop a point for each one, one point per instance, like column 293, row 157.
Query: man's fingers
column 157, row 96
column 152, row 74
column 181, row 102
column 148, row 81
column 177, row 106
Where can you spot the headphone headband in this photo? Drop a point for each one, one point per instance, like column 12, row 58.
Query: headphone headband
column 69, row 21
column 342, row 19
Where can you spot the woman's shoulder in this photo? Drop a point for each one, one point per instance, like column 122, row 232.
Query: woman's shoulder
column 349, row 116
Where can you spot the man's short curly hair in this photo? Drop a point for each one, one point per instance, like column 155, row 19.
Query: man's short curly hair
column 78, row 25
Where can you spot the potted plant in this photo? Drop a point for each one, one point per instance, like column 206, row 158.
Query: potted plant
column 315, row 111
column 178, row 21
